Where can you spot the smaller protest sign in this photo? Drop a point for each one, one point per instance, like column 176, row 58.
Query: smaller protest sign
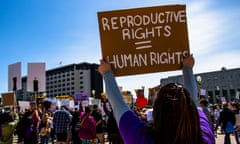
column 8, row 99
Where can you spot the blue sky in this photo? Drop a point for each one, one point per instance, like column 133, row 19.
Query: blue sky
column 54, row 31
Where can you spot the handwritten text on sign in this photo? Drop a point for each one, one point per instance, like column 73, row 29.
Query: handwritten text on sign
column 144, row 40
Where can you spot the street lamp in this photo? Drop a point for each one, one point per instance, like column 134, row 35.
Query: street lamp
column 15, row 90
column 93, row 93
column 199, row 79
column 199, row 82
column 35, row 89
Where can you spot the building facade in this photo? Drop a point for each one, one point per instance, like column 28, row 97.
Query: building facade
column 216, row 86
column 68, row 80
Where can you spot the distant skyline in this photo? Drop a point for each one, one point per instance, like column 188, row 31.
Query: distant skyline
column 60, row 32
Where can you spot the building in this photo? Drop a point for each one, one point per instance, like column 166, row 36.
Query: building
column 216, row 86
column 68, row 80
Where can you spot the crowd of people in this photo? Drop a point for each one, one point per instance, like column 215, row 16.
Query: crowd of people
column 87, row 125
column 38, row 125
column 224, row 118
column 176, row 116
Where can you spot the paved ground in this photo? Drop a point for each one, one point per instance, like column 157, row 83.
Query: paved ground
column 219, row 139
column 15, row 139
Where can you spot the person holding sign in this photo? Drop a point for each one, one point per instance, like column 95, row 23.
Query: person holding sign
column 176, row 116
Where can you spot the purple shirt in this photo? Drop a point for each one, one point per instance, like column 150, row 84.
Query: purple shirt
column 132, row 129
column 88, row 128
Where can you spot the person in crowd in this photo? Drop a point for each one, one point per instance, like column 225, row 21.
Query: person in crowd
column 35, row 125
column 235, row 109
column 75, row 127
column 227, row 120
column 19, row 128
column 114, row 136
column 97, row 115
column 206, row 109
column 87, row 132
column 61, row 123
column 216, row 115
column 31, row 121
column 52, row 131
column 40, row 110
column 44, row 129
column 176, row 118
column 204, row 106
column 13, row 113
column 211, row 111
column 7, row 127
column 107, row 106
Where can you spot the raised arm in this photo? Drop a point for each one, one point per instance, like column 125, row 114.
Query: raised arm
column 112, row 90
column 189, row 79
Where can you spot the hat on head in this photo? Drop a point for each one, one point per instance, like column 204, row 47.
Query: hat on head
column 225, row 104
column 95, row 106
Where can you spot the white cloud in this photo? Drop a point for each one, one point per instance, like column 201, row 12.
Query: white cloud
column 205, row 28
column 208, row 32
column 216, row 61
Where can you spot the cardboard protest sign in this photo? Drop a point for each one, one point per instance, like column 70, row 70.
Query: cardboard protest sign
column 144, row 40
column 14, row 77
column 8, row 99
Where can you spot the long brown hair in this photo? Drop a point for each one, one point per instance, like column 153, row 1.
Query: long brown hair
column 175, row 117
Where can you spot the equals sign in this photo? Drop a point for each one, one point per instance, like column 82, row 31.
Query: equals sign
column 143, row 44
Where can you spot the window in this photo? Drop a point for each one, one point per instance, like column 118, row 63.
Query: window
column 225, row 94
